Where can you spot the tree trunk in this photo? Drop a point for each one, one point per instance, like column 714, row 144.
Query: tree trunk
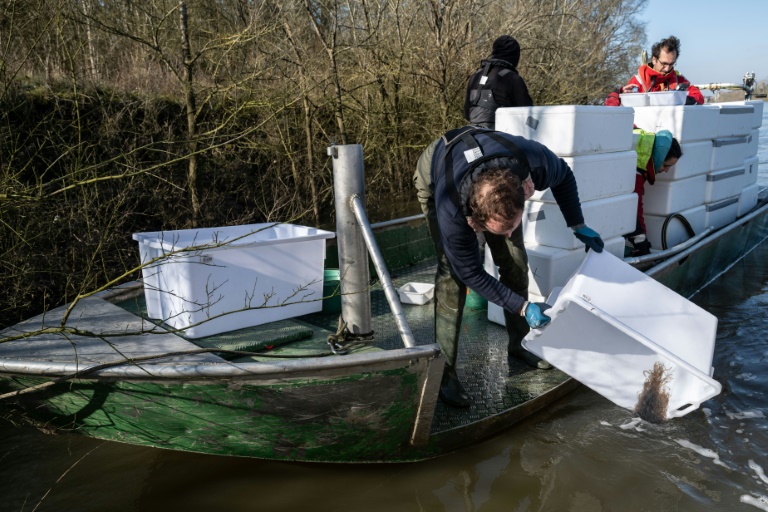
column 191, row 115
column 91, row 49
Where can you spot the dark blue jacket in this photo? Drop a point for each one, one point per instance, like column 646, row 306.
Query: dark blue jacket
column 458, row 238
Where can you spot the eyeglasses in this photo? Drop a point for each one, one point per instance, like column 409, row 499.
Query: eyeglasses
column 663, row 65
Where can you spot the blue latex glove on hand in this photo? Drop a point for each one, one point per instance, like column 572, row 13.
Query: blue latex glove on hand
column 534, row 314
column 590, row 238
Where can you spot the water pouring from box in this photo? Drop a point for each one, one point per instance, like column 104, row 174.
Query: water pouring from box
column 625, row 335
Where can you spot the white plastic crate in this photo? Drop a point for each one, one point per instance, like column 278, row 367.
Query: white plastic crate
column 665, row 197
column 723, row 184
column 548, row 268
column 696, row 159
column 731, row 151
column 611, row 324
column 751, row 167
column 599, row 175
column 569, row 130
column 206, row 273
column 734, row 120
column 543, row 223
column 676, row 231
column 747, row 199
column 757, row 117
column 687, row 123
column 722, row 213
column 154, row 280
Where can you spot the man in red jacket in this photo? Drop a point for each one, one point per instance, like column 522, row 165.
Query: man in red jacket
column 659, row 75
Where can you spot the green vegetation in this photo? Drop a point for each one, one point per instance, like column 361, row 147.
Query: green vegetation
column 119, row 117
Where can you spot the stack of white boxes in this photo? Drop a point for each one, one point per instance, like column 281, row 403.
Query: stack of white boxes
column 597, row 143
column 716, row 179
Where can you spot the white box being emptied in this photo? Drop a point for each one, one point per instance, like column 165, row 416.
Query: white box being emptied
column 611, row 324
column 548, row 268
column 212, row 280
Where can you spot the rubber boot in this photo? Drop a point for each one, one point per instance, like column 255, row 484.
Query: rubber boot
column 451, row 390
column 450, row 297
column 517, row 328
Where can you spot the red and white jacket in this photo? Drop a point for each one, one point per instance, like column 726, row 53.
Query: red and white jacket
column 648, row 79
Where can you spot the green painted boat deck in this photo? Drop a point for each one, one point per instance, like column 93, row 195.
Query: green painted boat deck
column 493, row 384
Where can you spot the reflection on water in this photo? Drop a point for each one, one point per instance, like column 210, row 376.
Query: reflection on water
column 582, row 454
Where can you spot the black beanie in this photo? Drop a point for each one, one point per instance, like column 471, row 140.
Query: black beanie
column 506, row 48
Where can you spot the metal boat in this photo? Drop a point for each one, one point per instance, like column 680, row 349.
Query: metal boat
column 305, row 388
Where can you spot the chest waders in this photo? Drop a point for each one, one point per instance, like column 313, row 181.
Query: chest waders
column 508, row 253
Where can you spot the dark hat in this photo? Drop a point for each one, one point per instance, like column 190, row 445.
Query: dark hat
column 506, row 48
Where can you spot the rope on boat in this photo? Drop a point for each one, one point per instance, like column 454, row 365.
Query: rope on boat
column 344, row 340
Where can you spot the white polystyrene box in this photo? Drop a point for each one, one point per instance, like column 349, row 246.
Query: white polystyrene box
column 548, row 268
column 599, row 175
column 543, row 223
column 748, row 199
column 665, row 197
column 687, row 123
column 611, row 324
column 214, row 280
column 751, row 167
column 722, row 213
column 569, row 130
column 696, row 159
column 734, row 120
column 753, row 142
column 757, row 117
column 676, row 231
column 731, row 151
column 496, row 314
column 723, row 184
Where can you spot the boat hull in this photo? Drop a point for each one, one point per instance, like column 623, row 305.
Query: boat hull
column 361, row 413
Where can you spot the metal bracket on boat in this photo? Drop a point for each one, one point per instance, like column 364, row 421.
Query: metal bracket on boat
column 343, row 340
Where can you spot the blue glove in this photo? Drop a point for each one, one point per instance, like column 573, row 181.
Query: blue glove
column 534, row 314
column 590, row 238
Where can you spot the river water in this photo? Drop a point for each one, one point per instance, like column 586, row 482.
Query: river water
column 583, row 454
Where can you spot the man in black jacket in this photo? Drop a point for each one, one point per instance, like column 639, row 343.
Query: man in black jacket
column 496, row 84
column 474, row 180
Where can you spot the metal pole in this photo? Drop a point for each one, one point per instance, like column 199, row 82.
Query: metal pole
column 381, row 270
column 348, row 180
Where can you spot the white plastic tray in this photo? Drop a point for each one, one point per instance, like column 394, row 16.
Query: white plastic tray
column 416, row 293
column 611, row 324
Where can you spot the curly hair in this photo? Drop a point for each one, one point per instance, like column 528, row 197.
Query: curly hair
column 497, row 194
column 670, row 44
